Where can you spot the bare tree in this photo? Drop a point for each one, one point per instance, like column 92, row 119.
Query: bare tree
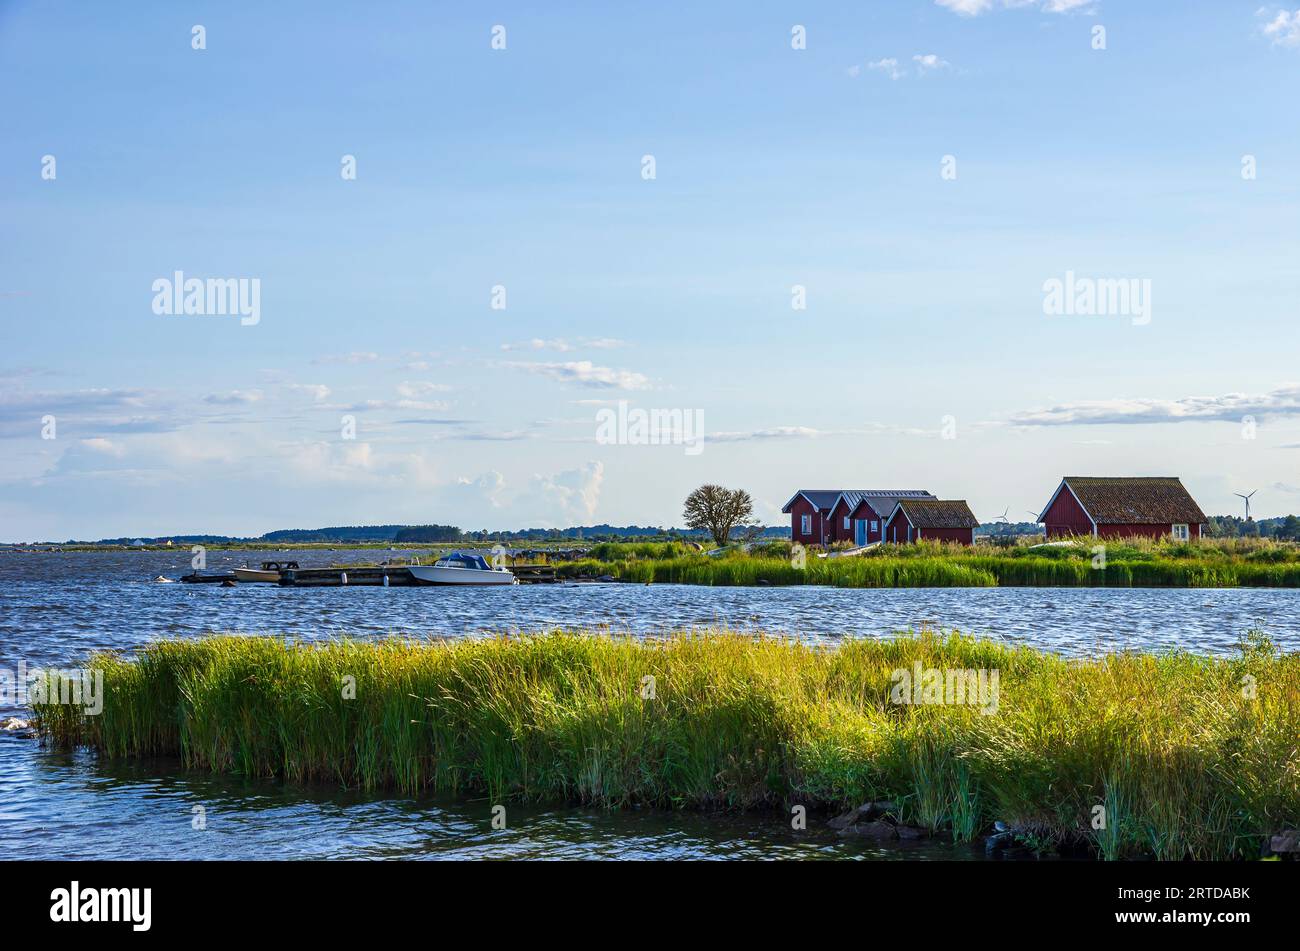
column 718, row 510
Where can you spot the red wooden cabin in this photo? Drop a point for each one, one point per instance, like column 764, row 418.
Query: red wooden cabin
column 1104, row 507
column 827, row 516
column 935, row 520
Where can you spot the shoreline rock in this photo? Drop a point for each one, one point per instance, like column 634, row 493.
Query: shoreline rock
column 876, row 820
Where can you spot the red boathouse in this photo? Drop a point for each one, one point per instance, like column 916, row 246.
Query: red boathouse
column 1152, row 506
column 857, row 516
column 931, row 520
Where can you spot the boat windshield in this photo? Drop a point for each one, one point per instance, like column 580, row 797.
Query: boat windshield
column 462, row 560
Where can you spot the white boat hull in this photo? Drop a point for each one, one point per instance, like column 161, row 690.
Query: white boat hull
column 442, row 574
column 256, row 574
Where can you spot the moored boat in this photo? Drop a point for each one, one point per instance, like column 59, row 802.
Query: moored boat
column 269, row 572
column 461, row 568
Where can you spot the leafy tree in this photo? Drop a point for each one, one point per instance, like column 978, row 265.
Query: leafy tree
column 718, row 511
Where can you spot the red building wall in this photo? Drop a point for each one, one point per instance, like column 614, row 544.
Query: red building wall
column 800, row 508
column 896, row 531
column 835, row 530
column 865, row 511
column 1066, row 516
column 965, row 536
column 1147, row 531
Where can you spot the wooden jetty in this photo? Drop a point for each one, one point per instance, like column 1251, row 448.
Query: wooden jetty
column 391, row 575
column 374, row 575
column 535, row 574
column 366, row 575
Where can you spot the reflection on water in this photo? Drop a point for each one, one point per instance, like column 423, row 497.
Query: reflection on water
column 71, row 806
column 55, row 608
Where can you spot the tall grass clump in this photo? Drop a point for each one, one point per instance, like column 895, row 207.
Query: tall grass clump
column 1186, row 761
column 1131, row 562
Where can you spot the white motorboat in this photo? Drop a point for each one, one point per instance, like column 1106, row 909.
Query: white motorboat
column 461, row 568
column 269, row 572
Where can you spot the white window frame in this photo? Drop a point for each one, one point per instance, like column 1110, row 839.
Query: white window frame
column 1182, row 533
column 805, row 524
column 875, row 525
column 846, row 523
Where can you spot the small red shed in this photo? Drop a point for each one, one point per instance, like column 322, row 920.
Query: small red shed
column 1115, row 507
column 936, row 520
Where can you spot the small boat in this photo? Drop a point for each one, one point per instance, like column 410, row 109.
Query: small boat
column 461, row 568
column 195, row 578
column 269, row 572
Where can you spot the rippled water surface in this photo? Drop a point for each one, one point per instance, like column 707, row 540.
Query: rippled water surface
column 57, row 607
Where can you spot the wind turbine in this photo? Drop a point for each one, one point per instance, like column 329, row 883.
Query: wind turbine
column 1033, row 513
column 1003, row 517
column 1247, row 499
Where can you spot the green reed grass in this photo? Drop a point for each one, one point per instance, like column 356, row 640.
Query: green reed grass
column 1184, row 761
column 1213, row 563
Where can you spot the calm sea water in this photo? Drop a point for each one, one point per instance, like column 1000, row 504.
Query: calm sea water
column 55, row 608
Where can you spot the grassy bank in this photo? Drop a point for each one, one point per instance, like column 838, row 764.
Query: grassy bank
column 1185, row 764
column 1129, row 563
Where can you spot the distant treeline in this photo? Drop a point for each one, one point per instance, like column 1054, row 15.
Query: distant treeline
column 428, row 533
column 420, row 534
column 337, row 533
column 1285, row 527
column 1000, row 529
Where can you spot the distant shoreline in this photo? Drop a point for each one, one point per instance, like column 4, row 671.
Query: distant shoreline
column 298, row 546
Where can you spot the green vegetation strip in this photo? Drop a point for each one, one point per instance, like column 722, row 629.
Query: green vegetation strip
column 1128, row 563
column 1189, row 756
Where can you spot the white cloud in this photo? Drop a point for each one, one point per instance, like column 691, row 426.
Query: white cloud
column 537, row 343
column 887, row 66
column 317, row 391
column 90, row 412
column 1230, row 407
column 332, row 461
column 929, row 61
column 357, row 356
column 105, row 446
column 1284, row 28
column 567, row 497
column 776, row 432
column 586, row 373
column 233, row 397
column 375, row 406
column 561, row 345
column 973, row 8
column 925, row 63
column 415, row 390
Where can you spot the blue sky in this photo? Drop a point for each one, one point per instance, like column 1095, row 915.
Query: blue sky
column 523, row 167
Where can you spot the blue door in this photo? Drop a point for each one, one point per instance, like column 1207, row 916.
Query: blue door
column 860, row 531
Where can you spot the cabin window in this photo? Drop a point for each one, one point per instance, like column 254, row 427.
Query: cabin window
column 1180, row 533
column 846, row 523
column 805, row 524
column 875, row 525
